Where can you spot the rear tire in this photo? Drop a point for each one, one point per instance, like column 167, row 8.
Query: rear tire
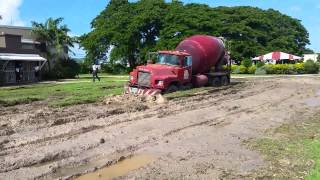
column 225, row 81
column 216, row 82
column 172, row 88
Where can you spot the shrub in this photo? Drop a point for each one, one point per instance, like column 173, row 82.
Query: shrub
column 252, row 69
column 114, row 69
column 65, row 69
column 270, row 69
column 299, row 68
column 260, row 64
column 291, row 69
column 261, row 71
column 234, row 68
column 85, row 67
column 311, row 67
column 243, row 69
column 247, row 63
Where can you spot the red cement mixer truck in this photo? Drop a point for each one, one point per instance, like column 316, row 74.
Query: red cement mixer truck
column 197, row 61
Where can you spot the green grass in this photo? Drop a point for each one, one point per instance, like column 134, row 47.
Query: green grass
column 63, row 93
column 293, row 151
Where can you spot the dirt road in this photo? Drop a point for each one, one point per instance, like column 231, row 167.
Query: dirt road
column 199, row 137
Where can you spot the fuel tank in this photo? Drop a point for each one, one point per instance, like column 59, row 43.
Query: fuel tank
column 206, row 52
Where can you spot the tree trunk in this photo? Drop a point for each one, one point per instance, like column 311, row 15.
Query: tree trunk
column 132, row 61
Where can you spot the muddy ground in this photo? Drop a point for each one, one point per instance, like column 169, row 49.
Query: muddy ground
column 199, row 137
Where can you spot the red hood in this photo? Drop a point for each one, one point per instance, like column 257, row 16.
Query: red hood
column 159, row 69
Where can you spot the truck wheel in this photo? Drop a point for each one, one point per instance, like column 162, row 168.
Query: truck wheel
column 172, row 88
column 216, row 82
column 225, row 81
column 186, row 87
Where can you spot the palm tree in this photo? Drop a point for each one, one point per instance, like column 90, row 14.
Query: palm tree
column 56, row 39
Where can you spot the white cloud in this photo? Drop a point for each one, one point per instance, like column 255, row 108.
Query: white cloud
column 9, row 11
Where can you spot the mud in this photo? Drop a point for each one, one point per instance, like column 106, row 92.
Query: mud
column 121, row 168
column 199, row 137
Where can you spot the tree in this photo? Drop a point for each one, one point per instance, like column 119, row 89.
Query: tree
column 128, row 30
column 318, row 58
column 54, row 36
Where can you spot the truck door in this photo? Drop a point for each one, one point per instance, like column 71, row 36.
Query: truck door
column 187, row 68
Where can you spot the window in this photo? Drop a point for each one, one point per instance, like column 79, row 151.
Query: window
column 27, row 46
column 2, row 42
column 168, row 59
column 187, row 61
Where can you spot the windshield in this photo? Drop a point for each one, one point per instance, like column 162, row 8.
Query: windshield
column 168, row 59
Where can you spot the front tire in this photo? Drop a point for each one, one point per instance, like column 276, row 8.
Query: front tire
column 172, row 88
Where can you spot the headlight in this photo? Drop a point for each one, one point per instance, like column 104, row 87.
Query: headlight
column 159, row 83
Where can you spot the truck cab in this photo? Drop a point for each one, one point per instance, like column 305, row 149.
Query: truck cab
column 171, row 71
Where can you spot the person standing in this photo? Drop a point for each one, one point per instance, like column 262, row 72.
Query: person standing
column 18, row 72
column 37, row 72
column 95, row 69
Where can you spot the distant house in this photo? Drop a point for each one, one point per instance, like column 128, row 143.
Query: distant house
column 312, row 57
column 20, row 60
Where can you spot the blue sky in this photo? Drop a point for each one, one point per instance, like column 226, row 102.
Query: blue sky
column 79, row 13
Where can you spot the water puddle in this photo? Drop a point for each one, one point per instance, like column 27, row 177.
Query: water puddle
column 313, row 102
column 120, row 169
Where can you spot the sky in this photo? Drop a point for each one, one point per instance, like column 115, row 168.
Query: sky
column 78, row 14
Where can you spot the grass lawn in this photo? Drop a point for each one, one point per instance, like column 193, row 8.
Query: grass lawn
column 65, row 92
column 293, row 151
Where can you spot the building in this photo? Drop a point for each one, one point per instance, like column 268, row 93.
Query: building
column 20, row 60
column 312, row 57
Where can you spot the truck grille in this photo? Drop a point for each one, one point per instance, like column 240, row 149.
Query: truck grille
column 144, row 79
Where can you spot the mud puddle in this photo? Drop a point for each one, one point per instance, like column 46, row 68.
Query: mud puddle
column 120, row 169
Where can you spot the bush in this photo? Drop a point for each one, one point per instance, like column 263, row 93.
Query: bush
column 252, row 69
column 261, row 71
column 63, row 69
column 291, row 69
column 311, row 67
column 299, row 68
column 270, row 69
column 234, row 68
column 242, row 69
column 114, row 69
column 85, row 67
column 247, row 63
column 260, row 64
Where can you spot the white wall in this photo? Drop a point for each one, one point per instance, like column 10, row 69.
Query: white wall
column 310, row 56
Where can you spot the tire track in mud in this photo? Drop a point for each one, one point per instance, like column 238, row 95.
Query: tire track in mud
column 197, row 103
column 234, row 110
column 210, row 98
